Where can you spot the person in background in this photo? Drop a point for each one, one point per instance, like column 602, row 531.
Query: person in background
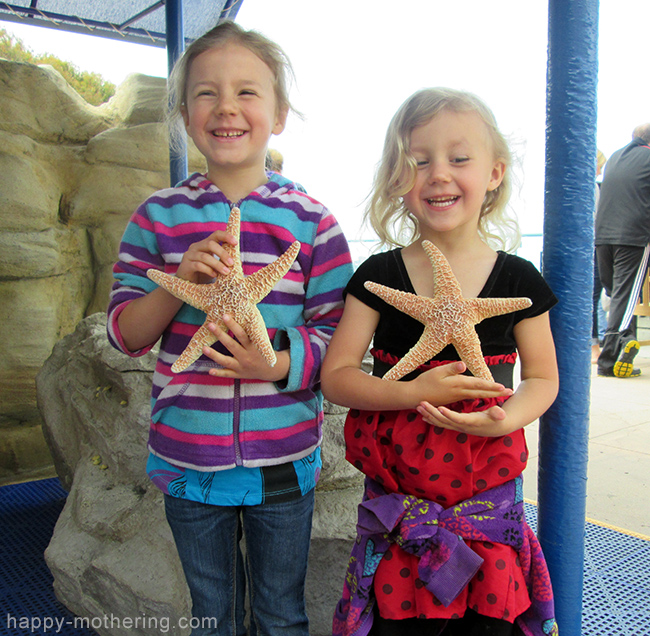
column 623, row 248
column 599, row 315
column 234, row 442
column 274, row 160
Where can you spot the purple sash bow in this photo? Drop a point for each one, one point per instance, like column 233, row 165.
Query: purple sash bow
column 435, row 535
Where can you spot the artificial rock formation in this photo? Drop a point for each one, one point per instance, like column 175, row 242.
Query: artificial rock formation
column 71, row 174
column 112, row 553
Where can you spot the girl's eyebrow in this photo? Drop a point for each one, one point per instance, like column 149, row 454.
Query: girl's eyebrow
column 453, row 145
column 245, row 82
column 250, row 82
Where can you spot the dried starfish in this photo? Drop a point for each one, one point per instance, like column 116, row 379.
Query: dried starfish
column 233, row 294
column 448, row 318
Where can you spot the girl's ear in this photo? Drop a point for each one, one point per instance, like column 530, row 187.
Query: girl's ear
column 498, row 172
column 281, row 121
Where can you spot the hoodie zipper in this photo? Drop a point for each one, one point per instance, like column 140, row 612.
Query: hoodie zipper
column 236, row 422
column 236, row 416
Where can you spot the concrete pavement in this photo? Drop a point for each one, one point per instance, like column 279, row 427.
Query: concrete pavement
column 618, row 474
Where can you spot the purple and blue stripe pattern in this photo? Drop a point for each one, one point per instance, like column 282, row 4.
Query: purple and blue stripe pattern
column 206, row 423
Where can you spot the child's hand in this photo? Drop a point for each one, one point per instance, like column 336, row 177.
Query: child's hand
column 488, row 423
column 246, row 361
column 206, row 259
column 446, row 384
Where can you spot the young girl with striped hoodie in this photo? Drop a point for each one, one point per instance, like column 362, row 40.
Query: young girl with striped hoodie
column 234, row 443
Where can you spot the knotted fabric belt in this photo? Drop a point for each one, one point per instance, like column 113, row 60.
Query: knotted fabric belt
column 437, row 537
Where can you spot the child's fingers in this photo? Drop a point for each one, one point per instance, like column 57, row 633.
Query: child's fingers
column 222, row 237
column 216, row 249
column 486, row 423
column 209, row 264
column 476, row 384
column 431, row 415
column 246, row 360
column 424, row 408
column 225, row 338
column 455, row 368
column 236, row 329
column 225, row 363
column 217, row 240
column 446, row 384
column 213, row 255
column 481, row 388
column 228, row 365
column 208, row 257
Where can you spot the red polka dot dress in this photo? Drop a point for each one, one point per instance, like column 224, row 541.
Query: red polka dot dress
column 404, row 454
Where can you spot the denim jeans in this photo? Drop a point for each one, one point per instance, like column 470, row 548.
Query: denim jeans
column 277, row 539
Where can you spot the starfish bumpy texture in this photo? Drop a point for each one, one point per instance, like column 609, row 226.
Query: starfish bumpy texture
column 448, row 318
column 233, row 294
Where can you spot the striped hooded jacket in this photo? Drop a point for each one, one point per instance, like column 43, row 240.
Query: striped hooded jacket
column 206, row 423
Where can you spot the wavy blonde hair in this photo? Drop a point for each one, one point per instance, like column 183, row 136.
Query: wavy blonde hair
column 225, row 33
column 396, row 173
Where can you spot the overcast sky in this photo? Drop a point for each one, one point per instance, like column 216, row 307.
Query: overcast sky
column 355, row 67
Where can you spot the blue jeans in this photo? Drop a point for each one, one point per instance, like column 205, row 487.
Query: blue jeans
column 277, row 539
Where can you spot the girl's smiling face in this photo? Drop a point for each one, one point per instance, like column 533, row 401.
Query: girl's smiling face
column 232, row 110
column 456, row 167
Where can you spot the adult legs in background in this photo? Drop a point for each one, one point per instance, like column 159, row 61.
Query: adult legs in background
column 598, row 316
column 207, row 539
column 622, row 270
column 277, row 539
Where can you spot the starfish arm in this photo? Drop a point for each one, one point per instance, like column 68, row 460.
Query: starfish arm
column 260, row 283
column 445, row 282
column 194, row 350
column 233, row 227
column 259, row 336
column 191, row 293
column 234, row 220
column 468, row 345
column 426, row 347
column 411, row 304
column 488, row 307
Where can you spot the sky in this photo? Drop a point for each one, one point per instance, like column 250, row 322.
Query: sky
column 354, row 69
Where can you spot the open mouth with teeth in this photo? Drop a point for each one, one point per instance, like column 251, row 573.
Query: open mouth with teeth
column 442, row 202
column 228, row 134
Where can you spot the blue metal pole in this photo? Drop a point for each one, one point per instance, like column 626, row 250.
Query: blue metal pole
column 568, row 267
column 175, row 48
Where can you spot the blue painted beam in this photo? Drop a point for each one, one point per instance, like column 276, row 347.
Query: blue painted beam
column 567, row 263
column 175, row 48
column 75, row 24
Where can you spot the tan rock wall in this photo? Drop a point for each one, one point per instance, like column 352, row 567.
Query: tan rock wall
column 71, row 175
column 112, row 553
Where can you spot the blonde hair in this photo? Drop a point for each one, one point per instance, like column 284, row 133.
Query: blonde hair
column 397, row 170
column 225, row 33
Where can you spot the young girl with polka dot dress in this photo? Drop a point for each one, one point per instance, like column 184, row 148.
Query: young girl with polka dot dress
column 443, row 546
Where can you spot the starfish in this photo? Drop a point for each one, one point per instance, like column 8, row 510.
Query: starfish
column 233, row 294
column 448, row 318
